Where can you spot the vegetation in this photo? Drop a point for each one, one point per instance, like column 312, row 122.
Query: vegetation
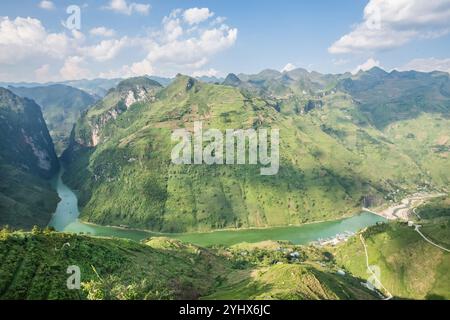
column 61, row 106
column 410, row 267
column 27, row 161
column 333, row 154
column 35, row 266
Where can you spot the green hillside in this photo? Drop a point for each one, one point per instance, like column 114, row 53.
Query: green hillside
column 332, row 158
column 410, row 267
column 35, row 267
column 389, row 97
column 27, row 161
column 61, row 106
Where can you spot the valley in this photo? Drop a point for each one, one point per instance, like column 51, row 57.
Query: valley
column 116, row 205
column 66, row 219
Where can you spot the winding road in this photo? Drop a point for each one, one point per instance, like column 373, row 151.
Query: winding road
column 391, row 214
column 389, row 295
column 416, row 227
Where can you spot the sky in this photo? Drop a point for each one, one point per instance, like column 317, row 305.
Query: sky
column 43, row 41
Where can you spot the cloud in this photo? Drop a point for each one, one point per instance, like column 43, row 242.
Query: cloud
column 46, row 5
column 369, row 64
column 73, row 69
column 206, row 73
column 388, row 24
column 427, row 65
column 42, row 73
column 107, row 49
column 23, row 38
column 121, row 6
column 175, row 47
column 196, row 15
column 173, row 51
column 102, row 32
column 288, row 67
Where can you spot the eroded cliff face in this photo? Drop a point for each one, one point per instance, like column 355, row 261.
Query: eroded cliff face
column 88, row 131
column 27, row 162
column 25, row 140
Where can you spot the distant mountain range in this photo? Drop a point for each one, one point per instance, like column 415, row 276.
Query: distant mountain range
column 98, row 87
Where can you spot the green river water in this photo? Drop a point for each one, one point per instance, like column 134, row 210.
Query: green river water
column 66, row 219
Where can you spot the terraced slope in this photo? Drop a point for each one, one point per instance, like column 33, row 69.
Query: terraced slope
column 35, row 264
column 332, row 159
column 61, row 106
column 410, row 267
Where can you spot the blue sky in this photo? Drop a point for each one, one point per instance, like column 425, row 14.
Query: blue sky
column 125, row 38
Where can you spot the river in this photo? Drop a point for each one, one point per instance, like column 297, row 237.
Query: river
column 66, row 219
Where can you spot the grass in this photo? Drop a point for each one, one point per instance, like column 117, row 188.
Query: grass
column 35, row 267
column 331, row 159
column 410, row 267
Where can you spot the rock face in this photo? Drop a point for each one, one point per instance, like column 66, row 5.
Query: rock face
column 27, row 161
column 116, row 102
column 25, row 141
column 61, row 107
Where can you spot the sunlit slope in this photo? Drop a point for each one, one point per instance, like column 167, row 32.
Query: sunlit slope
column 27, row 161
column 331, row 158
column 35, row 267
column 409, row 266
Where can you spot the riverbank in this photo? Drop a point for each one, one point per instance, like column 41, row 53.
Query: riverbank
column 405, row 208
column 66, row 219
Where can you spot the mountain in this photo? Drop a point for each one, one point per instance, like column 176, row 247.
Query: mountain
column 61, row 105
column 116, row 102
column 296, row 83
column 332, row 158
column 35, row 267
column 389, row 97
column 232, row 80
column 95, row 87
column 27, row 161
column 409, row 267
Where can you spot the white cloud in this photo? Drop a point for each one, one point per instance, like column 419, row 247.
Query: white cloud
column 197, row 15
column 388, row 24
column 23, row 38
column 46, row 5
column 121, row 6
column 219, row 20
column 42, row 74
column 102, row 32
column 172, row 28
column 73, row 69
column 206, row 73
column 107, row 49
column 171, row 53
column 288, row 67
column 427, row 65
column 177, row 47
column 369, row 64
